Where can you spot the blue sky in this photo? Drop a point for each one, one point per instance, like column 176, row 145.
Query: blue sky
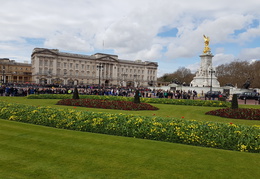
column 169, row 32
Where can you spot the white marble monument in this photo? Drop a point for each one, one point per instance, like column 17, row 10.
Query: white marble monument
column 205, row 76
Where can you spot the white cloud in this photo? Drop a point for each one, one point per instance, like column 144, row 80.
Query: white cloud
column 249, row 35
column 190, row 41
column 194, row 67
column 221, row 58
column 130, row 27
column 68, row 42
column 250, row 53
column 152, row 54
column 137, row 30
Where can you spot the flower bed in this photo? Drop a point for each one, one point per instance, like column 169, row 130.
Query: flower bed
column 209, row 134
column 190, row 102
column 240, row 113
column 107, row 104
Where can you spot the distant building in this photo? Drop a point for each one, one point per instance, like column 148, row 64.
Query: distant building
column 50, row 66
column 14, row 72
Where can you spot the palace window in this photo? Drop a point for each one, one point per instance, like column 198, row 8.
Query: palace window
column 40, row 62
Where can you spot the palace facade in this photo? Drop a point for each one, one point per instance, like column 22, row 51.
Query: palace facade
column 50, row 66
column 14, row 72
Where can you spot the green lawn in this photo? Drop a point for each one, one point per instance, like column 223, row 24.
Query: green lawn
column 31, row 151
column 178, row 111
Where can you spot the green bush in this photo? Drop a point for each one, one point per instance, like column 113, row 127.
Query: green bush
column 75, row 93
column 190, row 102
column 50, row 96
column 209, row 134
column 234, row 102
column 137, row 97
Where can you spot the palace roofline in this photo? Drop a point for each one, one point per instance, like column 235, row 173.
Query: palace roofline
column 95, row 56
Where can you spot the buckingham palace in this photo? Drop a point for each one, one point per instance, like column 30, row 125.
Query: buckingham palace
column 50, row 66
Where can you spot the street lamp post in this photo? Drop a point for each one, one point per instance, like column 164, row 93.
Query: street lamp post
column 3, row 74
column 135, row 85
column 123, row 80
column 211, row 71
column 49, row 76
column 153, row 85
column 99, row 71
column 65, row 78
column 181, row 90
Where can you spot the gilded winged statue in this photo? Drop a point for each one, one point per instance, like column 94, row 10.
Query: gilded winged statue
column 206, row 41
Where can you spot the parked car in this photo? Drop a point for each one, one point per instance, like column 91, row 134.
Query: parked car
column 248, row 95
column 212, row 94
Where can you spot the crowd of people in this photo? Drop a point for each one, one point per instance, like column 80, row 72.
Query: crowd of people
column 28, row 89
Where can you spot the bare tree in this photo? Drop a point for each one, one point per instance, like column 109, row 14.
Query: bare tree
column 237, row 73
column 182, row 74
column 255, row 67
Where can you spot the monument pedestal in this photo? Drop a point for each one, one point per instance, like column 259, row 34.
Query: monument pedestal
column 205, row 76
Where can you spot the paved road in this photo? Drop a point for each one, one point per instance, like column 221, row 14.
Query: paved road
column 248, row 101
column 240, row 101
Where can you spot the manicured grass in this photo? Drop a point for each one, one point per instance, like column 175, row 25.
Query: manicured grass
column 178, row 111
column 31, row 151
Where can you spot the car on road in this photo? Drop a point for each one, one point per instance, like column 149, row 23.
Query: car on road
column 215, row 94
column 248, row 95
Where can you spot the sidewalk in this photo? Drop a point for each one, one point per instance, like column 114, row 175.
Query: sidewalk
column 248, row 101
column 241, row 101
